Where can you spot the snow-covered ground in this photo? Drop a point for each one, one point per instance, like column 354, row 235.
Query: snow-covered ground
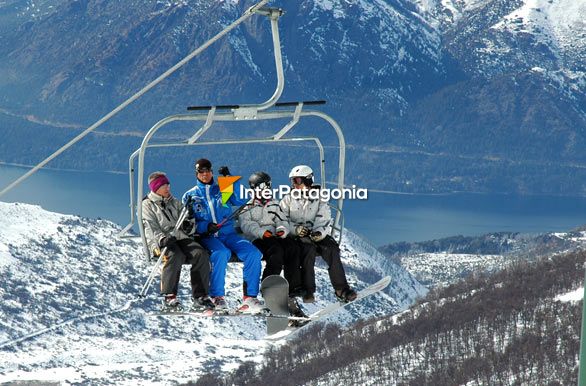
column 442, row 269
column 65, row 275
column 573, row 296
column 561, row 23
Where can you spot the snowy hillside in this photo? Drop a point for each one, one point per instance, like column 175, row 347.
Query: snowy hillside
column 72, row 272
column 496, row 36
column 560, row 24
column 520, row 326
column 443, row 269
column 439, row 263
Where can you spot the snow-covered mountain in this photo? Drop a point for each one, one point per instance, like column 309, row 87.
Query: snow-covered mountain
column 455, row 95
column 439, row 263
column 72, row 278
column 505, row 35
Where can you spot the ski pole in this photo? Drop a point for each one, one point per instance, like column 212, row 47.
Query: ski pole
column 236, row 213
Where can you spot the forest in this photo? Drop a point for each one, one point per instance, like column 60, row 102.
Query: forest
column 506, row 328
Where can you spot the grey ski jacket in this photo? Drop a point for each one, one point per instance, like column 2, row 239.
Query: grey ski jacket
column 258, row 218
column 159, row 216
column 311, row 213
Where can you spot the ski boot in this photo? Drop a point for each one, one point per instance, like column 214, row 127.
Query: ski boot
column 203, row 304
column 220, row 305
column 251, row 305
column 295, row 310
column 171, row 304
column 346, row 295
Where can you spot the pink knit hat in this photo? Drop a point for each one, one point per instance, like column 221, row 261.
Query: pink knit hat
column 158, row 182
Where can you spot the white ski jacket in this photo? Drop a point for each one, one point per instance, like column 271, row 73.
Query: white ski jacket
column 159, row 216
column 311, row 213
column 258, row 218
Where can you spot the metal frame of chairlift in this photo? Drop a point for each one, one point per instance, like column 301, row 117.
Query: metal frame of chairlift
column 245, row 113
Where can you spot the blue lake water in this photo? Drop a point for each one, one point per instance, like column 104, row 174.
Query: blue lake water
column 383, row 218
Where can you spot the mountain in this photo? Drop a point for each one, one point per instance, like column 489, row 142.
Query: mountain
column 442, row 262
column 520, row 326
column 433, row 96
column 520, row 108
column 74, row 283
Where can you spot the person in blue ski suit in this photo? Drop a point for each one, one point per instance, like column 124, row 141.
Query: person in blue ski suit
column 216, row 228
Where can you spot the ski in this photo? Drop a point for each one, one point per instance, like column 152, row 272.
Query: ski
column 290, row 331
column 230, row 313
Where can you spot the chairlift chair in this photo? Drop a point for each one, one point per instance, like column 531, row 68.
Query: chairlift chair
column 269, row 110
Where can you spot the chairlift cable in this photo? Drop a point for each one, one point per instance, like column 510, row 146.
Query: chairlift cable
column 247, row 14
column 69, row 321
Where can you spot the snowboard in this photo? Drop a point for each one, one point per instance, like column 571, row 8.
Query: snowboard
column 275, row 292
column 370, row 290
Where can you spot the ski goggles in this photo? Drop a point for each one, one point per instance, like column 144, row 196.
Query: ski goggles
column 263, row 185
column 302, row 181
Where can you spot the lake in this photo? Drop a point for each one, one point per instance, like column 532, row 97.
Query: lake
column 383, row 218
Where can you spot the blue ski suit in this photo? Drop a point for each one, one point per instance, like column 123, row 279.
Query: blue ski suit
column 206, row 201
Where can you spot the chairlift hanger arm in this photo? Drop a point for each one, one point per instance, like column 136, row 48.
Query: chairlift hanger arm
column 291, row 123
column 272, row 12
column 250, row 110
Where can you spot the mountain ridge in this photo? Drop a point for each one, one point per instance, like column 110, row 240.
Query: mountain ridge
column 493, row 78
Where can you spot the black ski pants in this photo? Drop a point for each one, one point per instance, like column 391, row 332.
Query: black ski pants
column 282, row 254
column 329, row 250
column 182, row 252
column 307, row 255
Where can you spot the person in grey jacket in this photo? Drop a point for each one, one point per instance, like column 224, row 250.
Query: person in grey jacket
column 160, row 213
column 263, row 222
column 309, row 221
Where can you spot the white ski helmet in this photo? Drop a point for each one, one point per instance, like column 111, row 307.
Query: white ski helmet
column 304, row 172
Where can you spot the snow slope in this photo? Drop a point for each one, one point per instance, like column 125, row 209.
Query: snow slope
column 560, row 23
column 445, row 267
column 59, row 270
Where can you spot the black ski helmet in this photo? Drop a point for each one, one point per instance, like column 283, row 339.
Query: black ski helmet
column 202, row 164
column 260, row 180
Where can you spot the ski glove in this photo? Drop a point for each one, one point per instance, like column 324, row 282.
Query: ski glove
column 155, row 255
column 223, row 170
column 267, row 235
column 167, row 241
column 301, row 230
column 316, row 236
column 190, row 213
column 213, row 228
column 281, row 231
column 189, row 206
column 187, row 227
